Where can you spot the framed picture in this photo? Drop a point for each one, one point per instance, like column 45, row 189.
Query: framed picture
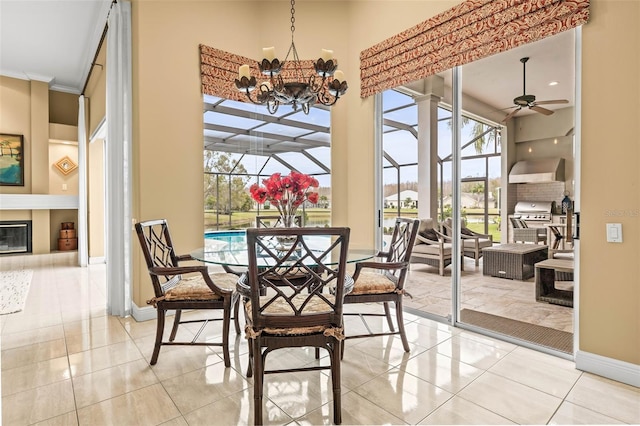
column 11, row 160
column 66, row 165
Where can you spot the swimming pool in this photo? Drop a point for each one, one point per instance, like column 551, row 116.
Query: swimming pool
column 226, row 236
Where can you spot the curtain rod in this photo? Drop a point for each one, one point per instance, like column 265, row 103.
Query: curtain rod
column 95, row 57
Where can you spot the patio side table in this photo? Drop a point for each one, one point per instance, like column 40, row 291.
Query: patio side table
column 546, row 290
column 513, row 261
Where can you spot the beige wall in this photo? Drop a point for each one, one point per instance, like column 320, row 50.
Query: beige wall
column 95, row 202
column 25, row 111
column 15, row 118
column 610, row 181
column 96, row 110
column 58, row 181
column 25, row 107
column 96, row 91
column 63, row 108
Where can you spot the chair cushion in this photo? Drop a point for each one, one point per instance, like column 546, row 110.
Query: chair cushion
column 370, row 282
column 563, row 255
column 431, row 249
column 280, row 307
column 471, row 243
column 466, row 231
column 195, row 288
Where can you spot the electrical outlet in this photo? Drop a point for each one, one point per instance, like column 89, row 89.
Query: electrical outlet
column 64, row 186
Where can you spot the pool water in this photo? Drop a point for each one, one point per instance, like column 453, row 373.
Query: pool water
column 228, row 237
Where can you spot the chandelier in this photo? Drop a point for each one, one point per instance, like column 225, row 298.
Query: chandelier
column 324, row 85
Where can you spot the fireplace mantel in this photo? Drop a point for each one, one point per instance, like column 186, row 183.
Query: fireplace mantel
column 37, row 202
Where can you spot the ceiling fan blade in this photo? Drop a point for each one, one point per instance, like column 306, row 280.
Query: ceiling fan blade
column 555, row 101
column 511, row 114
column 504, row 109
column 541, row 110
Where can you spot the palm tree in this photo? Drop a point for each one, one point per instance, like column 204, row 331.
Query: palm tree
column 481, row 134
column 4, row 144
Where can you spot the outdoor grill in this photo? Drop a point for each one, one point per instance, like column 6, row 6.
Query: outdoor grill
column 534, row 212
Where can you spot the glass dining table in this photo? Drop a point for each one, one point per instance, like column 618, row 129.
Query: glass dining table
column 234, row 254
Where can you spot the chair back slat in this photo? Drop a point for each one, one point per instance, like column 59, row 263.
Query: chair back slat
column 158, row 250
column 402, row 243
column 316, row 294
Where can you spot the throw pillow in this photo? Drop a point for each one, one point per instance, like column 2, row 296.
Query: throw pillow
column 429, row 234
column 466, row 231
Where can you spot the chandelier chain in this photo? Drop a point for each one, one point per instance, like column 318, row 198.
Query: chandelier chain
column 293, row 18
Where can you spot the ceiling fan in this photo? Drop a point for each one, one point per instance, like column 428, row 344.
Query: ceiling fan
column 529, row 101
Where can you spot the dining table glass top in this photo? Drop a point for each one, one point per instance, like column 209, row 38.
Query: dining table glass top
column 234, row 252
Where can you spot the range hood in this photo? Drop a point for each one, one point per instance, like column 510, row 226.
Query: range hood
column 537, row 171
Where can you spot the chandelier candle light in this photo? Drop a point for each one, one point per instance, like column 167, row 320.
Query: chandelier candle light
column 304, row 91
column 286, row 193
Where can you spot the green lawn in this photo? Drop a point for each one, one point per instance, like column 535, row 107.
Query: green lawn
column 320, row 217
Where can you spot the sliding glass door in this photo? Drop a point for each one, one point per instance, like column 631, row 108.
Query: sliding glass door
column 449, row 142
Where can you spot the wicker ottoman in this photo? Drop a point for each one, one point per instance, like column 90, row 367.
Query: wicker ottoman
column 513, row 261
column 547, row 273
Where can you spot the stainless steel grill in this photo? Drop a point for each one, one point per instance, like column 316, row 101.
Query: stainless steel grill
column 534, row 211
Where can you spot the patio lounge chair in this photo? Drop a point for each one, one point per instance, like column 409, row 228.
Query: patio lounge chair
column 522, row 232
column 431, row 246
column 472, row 242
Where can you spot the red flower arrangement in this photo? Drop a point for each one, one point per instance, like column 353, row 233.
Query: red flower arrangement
column 286, row 193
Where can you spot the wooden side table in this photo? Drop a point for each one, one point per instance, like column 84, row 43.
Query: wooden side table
column 546, row 290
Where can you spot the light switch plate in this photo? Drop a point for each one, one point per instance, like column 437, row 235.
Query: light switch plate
column 614, row 232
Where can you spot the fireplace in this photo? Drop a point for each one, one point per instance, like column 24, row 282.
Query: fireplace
column 15, row 236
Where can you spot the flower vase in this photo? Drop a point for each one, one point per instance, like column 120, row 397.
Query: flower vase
column 287, row 221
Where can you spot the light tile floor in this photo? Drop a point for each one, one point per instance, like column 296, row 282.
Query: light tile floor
column 65, row 362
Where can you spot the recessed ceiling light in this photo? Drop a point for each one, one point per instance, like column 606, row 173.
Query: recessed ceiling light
column 553, row 83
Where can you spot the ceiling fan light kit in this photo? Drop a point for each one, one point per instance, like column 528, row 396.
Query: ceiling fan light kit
column 529, row 101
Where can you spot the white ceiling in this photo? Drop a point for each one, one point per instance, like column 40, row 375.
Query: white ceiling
column 56, row 40
column 497, row 80
column 51, row 40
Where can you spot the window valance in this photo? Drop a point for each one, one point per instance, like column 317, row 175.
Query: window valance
column 465, row 33
column 219, row 69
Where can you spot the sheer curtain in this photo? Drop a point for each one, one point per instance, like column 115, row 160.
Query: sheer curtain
column 82, row 184
column 118, row 155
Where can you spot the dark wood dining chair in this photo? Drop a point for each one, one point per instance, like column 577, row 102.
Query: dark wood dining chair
column 179, row 287
column 275, row 221
column 283, row 313
column 382, row 281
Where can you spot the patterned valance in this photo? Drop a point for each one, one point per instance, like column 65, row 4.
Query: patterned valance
column 465, row 33
column 219, row 69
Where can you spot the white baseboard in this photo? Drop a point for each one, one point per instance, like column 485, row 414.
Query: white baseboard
column 147, row 313
column 613, row 369
column 97, row 260
column 143, row 314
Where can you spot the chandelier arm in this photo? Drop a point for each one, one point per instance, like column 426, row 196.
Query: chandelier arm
column 272, row 106
column 327, row 99
column 298, row 92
